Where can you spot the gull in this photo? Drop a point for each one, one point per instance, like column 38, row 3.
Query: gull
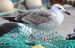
column 41, row 24
column 40, row 16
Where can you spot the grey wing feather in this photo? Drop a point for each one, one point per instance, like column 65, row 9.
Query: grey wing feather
column 37, row 16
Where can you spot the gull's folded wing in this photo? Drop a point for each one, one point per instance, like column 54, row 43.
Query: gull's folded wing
column 37, row 16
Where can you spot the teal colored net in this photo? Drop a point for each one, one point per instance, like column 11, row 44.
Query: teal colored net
column 22, row 36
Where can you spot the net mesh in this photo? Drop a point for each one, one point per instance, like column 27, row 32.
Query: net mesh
column 21, row 37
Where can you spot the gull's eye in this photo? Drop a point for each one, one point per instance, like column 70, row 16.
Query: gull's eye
column 59, row 8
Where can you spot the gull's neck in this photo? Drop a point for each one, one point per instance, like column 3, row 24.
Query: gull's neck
column 58, row 15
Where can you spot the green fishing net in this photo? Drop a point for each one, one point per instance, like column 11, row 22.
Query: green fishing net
column 22, row 36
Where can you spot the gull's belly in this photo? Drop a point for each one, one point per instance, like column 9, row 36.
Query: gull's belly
column 60, row 19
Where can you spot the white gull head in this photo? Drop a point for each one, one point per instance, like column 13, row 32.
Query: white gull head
column 57, row 12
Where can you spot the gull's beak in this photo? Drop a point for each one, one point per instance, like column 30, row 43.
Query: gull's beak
column 68, row 13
